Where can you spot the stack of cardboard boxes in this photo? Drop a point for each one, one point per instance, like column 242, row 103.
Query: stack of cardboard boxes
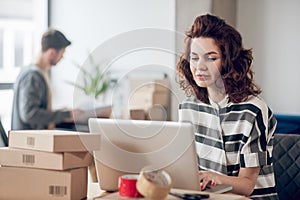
column 149, row 99
column 46, row 164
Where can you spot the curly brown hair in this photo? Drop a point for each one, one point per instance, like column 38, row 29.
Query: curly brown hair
column 236, row 61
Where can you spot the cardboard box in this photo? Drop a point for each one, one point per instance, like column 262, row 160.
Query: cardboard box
column 44, row 160
column 157, row 113
column 161, row 98
column 144, row 100
column 54, row 140
column 137, row 114
column 29, row 184
column 140, row 100
column 141, row 85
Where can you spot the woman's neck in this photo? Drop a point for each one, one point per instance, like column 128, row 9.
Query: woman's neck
column 216, row 94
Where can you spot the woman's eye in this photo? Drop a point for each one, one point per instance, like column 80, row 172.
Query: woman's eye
column 211, row 59
column 194, row 58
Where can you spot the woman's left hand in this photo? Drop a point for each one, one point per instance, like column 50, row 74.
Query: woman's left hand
column 208, row 178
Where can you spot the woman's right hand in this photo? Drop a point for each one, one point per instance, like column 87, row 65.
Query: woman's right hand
column 208, row 178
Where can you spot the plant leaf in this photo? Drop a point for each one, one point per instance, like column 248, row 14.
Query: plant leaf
column 94, row 81
column 102, row 89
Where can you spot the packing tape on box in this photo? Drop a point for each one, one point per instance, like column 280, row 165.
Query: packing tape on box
column 127, row 186
column 154, row 184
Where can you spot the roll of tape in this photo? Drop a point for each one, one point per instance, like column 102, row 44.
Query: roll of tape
column 127, row 186
column 154, row 184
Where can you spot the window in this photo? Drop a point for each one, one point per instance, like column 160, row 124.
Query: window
column 22, row 23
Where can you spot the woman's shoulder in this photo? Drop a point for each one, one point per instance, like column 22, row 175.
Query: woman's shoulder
column 255, row 102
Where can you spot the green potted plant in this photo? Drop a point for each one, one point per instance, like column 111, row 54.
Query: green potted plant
column 94, row 81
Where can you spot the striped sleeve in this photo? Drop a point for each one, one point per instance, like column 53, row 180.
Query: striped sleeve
column 256, row 151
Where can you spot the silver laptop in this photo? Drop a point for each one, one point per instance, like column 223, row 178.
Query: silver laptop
column 127, row 146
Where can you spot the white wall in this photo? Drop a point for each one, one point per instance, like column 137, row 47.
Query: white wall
column 271, row 28
column 92, row 24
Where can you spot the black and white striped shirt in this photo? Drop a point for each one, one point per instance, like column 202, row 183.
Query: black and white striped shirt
column 230, row 136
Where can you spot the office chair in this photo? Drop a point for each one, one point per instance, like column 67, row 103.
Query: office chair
column 3, row 136
column 286, row 161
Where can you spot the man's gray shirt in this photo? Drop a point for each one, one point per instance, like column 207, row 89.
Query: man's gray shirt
column 30, row 102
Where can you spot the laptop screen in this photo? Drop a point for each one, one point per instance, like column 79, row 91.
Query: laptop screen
column 127, row 146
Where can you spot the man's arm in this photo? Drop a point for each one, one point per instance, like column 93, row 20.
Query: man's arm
column 32, row 102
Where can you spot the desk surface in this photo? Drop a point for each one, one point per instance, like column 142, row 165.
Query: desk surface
column 94, row 193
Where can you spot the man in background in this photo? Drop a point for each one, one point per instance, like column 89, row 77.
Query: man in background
column 32, row 103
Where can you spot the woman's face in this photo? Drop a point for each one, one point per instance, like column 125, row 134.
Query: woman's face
column 205, row 62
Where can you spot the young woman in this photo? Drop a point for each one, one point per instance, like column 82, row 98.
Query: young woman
column 233, row 126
